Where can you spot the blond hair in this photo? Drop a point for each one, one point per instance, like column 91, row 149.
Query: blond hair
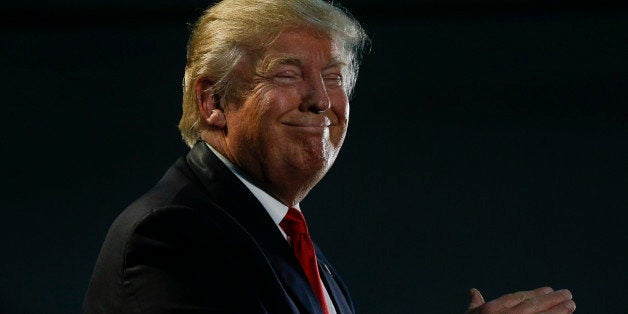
column 233, row 29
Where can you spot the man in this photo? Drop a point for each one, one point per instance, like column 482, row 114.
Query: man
column 265, row 112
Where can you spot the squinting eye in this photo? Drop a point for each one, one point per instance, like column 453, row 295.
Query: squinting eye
column 287, row 74
column 333, row 80
column 286, row 77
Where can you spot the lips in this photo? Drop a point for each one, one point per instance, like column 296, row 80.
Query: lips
column 308, row 125
column 318, row 123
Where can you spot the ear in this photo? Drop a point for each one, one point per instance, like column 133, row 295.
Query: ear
column 208, row 104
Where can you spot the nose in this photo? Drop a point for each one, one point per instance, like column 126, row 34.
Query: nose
column 316, row 99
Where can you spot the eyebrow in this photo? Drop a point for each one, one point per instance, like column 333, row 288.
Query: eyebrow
column 268, row 64
column 335, row 62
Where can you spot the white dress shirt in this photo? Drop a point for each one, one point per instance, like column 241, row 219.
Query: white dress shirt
column 276, row 209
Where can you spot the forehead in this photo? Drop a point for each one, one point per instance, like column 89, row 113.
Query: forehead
column 302, row 46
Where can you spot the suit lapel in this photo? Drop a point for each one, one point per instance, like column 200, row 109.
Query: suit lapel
column 226, row 190
column 333, row 288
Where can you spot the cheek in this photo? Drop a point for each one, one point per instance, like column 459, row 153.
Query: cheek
column 341, row 109
column 280, row 101
column 346, row 111
column 258, row 107
column 340, row 101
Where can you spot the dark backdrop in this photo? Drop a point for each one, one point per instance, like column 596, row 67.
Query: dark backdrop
column 487, row 148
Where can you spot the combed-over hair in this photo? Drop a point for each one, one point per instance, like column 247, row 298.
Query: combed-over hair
column 233, row 29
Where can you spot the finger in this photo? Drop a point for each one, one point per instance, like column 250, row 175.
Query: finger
column 476, row 299
column 563, row 308
column 513, row 299
column 543, row 302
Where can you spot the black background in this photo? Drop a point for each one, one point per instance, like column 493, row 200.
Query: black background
column 487, row 148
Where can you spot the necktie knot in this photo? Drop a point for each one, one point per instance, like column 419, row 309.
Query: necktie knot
column 293, row 224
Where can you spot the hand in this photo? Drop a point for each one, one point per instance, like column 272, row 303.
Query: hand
column 542, row 300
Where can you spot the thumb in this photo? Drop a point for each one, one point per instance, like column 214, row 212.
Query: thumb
column 476, row 299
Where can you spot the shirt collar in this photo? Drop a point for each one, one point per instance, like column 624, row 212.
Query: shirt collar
column 275, row 208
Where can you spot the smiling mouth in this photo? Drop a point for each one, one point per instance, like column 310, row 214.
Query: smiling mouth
column 317, row 129
column 309, row 125
column 314, row 124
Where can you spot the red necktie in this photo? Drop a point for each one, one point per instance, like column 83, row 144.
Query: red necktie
column 298, row 236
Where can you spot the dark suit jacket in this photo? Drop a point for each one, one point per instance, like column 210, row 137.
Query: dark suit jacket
column 200, row 242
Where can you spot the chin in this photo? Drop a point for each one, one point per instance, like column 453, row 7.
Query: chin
column 319, row 164
column 312, row 157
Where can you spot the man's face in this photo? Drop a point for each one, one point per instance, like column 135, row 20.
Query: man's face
column 294, row 120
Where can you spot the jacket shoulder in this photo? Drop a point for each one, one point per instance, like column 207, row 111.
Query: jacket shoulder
column 164, row 248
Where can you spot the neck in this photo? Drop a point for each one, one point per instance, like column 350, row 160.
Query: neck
column 289, row 185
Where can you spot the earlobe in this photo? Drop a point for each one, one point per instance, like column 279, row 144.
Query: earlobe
column 208, row 104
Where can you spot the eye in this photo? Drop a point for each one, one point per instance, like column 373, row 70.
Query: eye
column 287, row 77
column 333, row 80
